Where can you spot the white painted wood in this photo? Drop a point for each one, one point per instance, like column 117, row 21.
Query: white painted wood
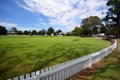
column 15, row 78
column 54, row 76
column 33, row 74
column 50, row 76
column 37, row 72
column 27, row 76
column 22, row 77
column 57, row 75
column 60, row 75
column 63, row 76
column 46, row 70
column 42, row 72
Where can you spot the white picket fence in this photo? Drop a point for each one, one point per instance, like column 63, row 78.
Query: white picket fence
column 64, row 70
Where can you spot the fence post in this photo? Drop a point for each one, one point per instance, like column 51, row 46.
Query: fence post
column 90, row 61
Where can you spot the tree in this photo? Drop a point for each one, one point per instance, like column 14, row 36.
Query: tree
column 3, row 30
column 58, row 31
column 14, row 30
column 89, row 23
column 26, row 32
column 50, row 31
column 19, row 33
column 103, row 29
column 95, row 30
column 68, row 34
column 77, row 31
column 34, row 32
column 42, row 32
column 85, row 30
column 114, row 15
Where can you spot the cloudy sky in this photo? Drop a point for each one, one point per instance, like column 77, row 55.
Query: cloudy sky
column 42, row 14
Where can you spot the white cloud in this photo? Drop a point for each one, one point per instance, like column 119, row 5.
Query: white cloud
column 7, row 24
column 65, row 12
column 41, row 22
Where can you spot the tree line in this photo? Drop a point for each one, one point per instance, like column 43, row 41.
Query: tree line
column 90, row 26
column 93, row 24
column 14, row 31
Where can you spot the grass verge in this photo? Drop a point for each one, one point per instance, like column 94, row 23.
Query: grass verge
column 23, row 54
column 106, row 69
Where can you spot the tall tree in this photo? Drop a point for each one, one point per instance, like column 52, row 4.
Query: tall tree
column 114, row 14
column 3, row 30
column 89, row 23
column 50, row 31
column 14, row 30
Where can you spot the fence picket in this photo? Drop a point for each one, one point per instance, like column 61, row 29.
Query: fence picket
column 50, row 76
column 33, row 74
column 15, row 78
column 56, row 76
column 37, row 73
column 46, row 78
column 62, row 72
column 27, row 76
column 22, row 77
column 42, row 71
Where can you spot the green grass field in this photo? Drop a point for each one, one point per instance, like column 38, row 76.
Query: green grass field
column 110, row 69
column 22, row 54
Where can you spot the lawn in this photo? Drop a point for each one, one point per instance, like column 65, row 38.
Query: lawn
column 106, row 69
column 110, row 69
column 22, row 54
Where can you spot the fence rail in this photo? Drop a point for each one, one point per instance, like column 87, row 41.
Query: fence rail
column 64, row 70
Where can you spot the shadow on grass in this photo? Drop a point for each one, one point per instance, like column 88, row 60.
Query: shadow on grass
column 10, row 63
column 57, row 52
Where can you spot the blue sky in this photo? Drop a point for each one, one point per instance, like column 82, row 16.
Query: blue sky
column 42, row 14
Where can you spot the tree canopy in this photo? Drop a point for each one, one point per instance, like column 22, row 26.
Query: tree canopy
column 3, row 30
column 89, row 23
column 50, row 31
column 114, row 15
